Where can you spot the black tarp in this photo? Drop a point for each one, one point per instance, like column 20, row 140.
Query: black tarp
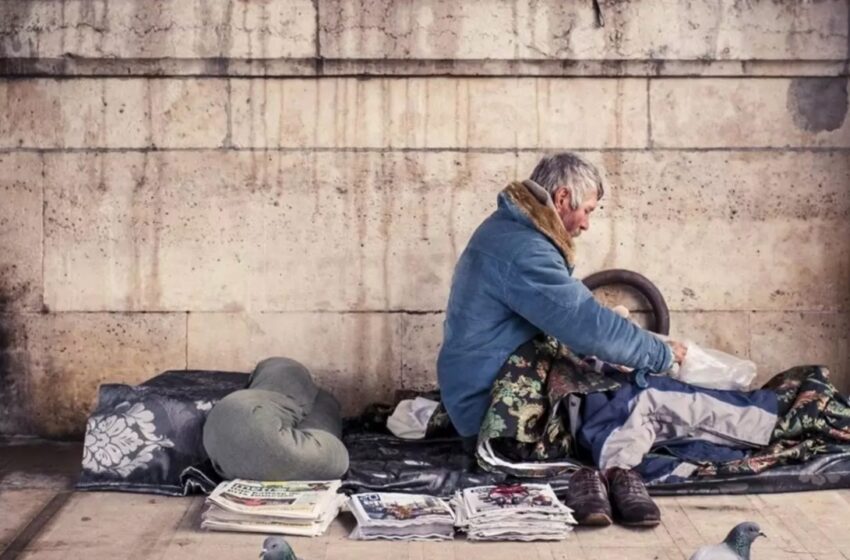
column 382, row 462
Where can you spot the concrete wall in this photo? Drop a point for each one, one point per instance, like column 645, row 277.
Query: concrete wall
column 204, row 184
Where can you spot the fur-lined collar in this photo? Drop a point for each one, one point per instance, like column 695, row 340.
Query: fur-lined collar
column 533, row 201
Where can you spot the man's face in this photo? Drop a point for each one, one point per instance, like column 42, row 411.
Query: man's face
column 575, row 221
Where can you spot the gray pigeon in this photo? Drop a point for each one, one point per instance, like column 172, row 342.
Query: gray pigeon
column 735, row 547
column 276, row 548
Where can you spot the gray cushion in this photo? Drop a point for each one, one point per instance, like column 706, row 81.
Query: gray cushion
column 282, row 427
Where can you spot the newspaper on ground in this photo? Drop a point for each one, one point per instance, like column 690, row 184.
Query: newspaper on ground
column 515, row 512
column 382, row 515
column 289, row 508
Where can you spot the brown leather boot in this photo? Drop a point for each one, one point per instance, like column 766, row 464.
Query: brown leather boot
column 587, row 496
column 631, row 502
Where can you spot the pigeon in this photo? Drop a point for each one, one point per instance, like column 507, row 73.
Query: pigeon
column 735, row 547
column 276, row 548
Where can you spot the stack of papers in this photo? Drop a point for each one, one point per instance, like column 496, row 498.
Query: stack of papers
column 401, row 517
column 289, row 508
column 515, row 512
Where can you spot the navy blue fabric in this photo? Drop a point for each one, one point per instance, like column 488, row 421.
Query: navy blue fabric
column 696, row 451
column 659, row 467
column 510, row 284
column 660, row 464
column 605, row 412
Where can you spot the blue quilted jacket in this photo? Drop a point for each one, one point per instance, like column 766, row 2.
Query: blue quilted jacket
column 513, row 281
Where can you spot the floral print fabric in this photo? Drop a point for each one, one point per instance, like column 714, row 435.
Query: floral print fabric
column 526, row 420
column 141, row 438
column 120, row 443
column 814, row 419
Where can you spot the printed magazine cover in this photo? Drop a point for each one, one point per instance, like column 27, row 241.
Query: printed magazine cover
column 399, row 509
column 484, row 500
column 512, row 512
column 401, row 517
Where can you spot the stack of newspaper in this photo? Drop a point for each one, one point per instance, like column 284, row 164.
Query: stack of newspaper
column 515, row 512
column 289, row 508
column 401, row 517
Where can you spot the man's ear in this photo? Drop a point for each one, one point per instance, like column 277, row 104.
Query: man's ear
column 562, row 198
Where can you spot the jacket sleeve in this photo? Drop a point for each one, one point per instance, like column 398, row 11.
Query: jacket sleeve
column 539, row 287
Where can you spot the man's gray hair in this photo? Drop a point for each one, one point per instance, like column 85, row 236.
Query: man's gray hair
column 569, row 171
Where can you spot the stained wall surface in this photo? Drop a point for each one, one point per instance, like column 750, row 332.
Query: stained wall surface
column 195, row 184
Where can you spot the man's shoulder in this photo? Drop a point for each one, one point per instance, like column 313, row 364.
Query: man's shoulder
column 507, row 239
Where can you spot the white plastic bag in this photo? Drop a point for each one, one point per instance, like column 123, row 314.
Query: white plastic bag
column 713, row 369
column 410, row 418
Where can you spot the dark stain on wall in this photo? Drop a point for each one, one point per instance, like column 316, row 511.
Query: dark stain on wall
column 16, row 15
column 14, row 378
column 818, row 104
column 7, row 381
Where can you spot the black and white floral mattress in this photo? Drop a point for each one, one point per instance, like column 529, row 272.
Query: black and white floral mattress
column 143, row 438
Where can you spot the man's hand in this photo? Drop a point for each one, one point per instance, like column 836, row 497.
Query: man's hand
column 679, row 351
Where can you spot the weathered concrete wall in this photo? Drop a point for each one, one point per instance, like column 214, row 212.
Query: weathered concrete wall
column 201, row 184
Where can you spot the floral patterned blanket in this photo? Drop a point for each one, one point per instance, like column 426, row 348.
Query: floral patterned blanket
column 527, row 421
column 814, row 419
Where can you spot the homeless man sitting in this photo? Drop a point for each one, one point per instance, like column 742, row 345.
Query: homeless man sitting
column 514, row 304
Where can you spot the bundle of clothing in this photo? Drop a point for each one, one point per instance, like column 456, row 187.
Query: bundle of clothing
column 551, row 411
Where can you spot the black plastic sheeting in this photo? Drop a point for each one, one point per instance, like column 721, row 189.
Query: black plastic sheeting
column 824, row 472
column 383, row 462
column 439, row 467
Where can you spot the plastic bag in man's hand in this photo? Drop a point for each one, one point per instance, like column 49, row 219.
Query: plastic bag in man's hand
column 713, row 369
